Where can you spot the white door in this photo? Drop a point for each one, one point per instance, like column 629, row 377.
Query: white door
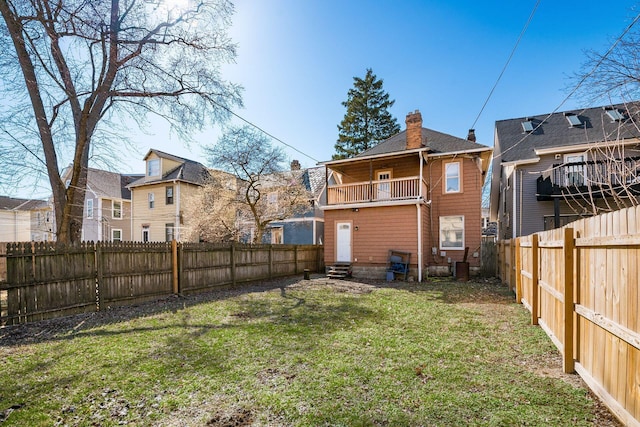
column 575, row 174
column 384, row 188
column 343, row 242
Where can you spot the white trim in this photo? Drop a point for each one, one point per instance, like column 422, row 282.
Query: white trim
column 374, row 204
column 100, row 236
column 176, row 201
column 461, row 248
column 373, row 156
column 309, row 218
column 514, row 192
column 457, row 153
column 419, row 243
column 585, row 147
column 520, row 162
column 113, row 202
column 113, row 230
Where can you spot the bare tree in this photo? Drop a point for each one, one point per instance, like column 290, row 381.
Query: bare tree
column 265, row 192
column 75, row 70
column 212, row 210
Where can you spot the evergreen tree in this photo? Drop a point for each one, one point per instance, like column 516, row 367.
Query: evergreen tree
column 367, row 121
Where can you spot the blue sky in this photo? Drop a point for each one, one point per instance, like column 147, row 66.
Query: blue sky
column 297, row 59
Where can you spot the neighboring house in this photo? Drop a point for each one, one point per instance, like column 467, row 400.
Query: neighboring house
column 418, row 192
column 306, row 228
column 23, row 220
column 156, row 198
column 107, row 205
column 553, row 169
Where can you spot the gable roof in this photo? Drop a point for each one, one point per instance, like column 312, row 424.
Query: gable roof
column 314, row 179
column 514, row 144
column 111, row 185
column 188, row 171
column 11, row 204
column 436, row 143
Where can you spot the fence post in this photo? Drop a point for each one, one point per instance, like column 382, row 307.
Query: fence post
column 535, row 290
column 568, row 364
column 174, row 266
column 233, row 263
column 99, row 273
column 518, row 284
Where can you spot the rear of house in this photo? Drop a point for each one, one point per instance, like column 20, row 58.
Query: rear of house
column 419, row 192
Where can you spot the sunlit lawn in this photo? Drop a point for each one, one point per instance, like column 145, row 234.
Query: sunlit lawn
column 310, row 353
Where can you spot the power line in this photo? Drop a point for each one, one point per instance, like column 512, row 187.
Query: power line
column 575, row 89
column 513, row 51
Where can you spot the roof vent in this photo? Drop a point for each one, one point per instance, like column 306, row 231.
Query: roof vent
column 573, row 119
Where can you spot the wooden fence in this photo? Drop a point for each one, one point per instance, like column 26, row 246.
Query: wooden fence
column 45, row 280
column 581, row 284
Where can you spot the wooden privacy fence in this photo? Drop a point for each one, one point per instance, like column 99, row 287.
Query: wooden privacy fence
column 581, row 284
column 45, row 280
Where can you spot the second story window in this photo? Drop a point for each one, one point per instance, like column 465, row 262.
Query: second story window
column 452, row 177
column 169, row 194
column 116, row 210
column 153, row 167
column 89, row 208
column 151, row 200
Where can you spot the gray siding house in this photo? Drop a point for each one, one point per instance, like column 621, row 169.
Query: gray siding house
column 552, row 169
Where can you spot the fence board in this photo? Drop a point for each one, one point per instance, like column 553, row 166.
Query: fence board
column 589, row 299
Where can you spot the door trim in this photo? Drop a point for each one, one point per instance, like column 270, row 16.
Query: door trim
column 350, row 222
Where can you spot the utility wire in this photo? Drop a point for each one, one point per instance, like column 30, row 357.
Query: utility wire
column 575, row 89
column 513, row 51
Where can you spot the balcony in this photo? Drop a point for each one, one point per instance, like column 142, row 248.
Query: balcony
column 592, row 179
column 389, row 190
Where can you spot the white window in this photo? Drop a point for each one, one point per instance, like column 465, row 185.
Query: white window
column 452, row 232
column 145, row 233
column 153, row 167
column 151, row 200
column 116, row 210
column 169, row 195
column 116, row 235
column 277, row 235
column 169, row 232
column 89, row 208
column 452, row 177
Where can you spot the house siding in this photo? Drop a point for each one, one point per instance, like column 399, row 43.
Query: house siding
column 110, row 223
column 379, row 229
column 162, row 213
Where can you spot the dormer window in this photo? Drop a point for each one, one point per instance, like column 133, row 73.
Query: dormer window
column 573, row 120
column 153, row 167
column 614, row 114
column 527, row 126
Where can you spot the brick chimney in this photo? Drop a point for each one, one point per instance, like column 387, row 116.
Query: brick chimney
column 472, row 135
column 295, row 165
column 414, row 130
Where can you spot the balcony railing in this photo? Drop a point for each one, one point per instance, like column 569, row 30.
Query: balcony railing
column 376, row 191
column 597, row 178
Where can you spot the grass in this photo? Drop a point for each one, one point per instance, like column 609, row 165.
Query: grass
column 311, row 353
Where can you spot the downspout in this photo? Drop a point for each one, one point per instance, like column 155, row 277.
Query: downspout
column 420, row 219
column 514, row 223
column 520, row 224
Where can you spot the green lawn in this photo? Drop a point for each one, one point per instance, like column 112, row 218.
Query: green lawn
column 310, row 353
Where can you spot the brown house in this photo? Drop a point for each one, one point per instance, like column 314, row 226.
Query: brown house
column 419, row 192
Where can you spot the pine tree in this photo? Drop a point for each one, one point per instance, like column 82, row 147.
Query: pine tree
column 367, row 121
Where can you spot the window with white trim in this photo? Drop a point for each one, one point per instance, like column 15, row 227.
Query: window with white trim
column 277, row 235
column 452, row 177
column 452, row 232
column 153, row 167
column 116, row 235
column 151, row 200
column 89, row 208
column 116, row 210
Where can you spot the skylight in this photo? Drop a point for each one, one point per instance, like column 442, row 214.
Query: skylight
column 573, row 120
column 527, row 126
column 615, row 115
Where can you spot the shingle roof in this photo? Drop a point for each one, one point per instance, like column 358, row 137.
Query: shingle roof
column 314, row 179
column 436, row 142
column 553, row 130
column 10, row 203
column 188, row 171
column 110, row 184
